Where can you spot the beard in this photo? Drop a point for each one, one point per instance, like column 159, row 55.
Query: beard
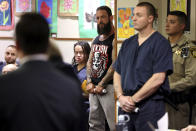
column 10, row 61
column 106, row 29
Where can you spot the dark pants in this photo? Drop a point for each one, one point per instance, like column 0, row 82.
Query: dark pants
column 149, row 112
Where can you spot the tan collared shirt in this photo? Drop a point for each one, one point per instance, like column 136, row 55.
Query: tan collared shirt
column 184, row 70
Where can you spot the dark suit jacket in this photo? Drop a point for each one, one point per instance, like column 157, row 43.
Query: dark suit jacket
column 37, row 97
column 64, row 67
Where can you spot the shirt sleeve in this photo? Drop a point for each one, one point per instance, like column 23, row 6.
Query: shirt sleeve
column 162, row 61
column 189, row 80
column 117, row 63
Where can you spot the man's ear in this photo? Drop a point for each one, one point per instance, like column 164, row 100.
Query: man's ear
column 183, row 26
column 151, row 18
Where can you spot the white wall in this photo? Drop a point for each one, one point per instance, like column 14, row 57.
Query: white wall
column 68, row 27
column 126, row 3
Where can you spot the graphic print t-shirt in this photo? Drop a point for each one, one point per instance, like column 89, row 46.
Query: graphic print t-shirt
column 102, row 58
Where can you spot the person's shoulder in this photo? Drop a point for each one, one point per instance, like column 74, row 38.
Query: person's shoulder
column 64, row 74
column 129, row 40
column 188, row 41
column 185, row 43
column 2, row 63
column 63, row 78
column 1, row 66
column 188, row 44
column 159, row 36
column 94, row 41
column 132, row 37
column 160, row 39
column 83, row 69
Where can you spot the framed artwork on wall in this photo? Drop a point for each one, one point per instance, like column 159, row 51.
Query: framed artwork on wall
column 125, row 23
column 180, row 5
column 22, row 6
column 6, row 15
column 48, row 8
column 67, row 7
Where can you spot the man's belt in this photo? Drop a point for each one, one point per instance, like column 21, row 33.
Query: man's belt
column 178, row 97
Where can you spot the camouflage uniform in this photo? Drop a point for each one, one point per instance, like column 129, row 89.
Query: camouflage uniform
column 182, row 79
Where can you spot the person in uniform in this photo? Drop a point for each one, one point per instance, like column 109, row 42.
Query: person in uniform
column 184, row 73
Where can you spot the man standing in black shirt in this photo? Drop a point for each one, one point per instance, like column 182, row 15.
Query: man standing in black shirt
column 100, row 73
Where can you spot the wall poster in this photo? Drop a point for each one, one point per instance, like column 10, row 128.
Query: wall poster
column 22, row 6
column 6, row 15
column 125, row 24
column 48, row 8
column 68, row 7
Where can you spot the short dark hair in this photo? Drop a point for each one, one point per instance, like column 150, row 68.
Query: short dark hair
column 106, row 8
column 32, row 33
column 150, row 8
column 12, row 46
column 86, row 49
column 182, row 17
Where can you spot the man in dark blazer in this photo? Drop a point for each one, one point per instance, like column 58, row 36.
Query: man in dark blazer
column 37, row 97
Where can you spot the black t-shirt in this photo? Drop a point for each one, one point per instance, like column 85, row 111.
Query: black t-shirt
column 102, row 58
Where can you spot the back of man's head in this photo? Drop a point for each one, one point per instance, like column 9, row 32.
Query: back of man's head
column 150, row 8
column 32, row 34
column 182, row 18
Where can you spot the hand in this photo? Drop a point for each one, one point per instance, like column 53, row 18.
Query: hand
column 126, row 103
column 98, row 89
column 90, row 87
column 189, row 128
